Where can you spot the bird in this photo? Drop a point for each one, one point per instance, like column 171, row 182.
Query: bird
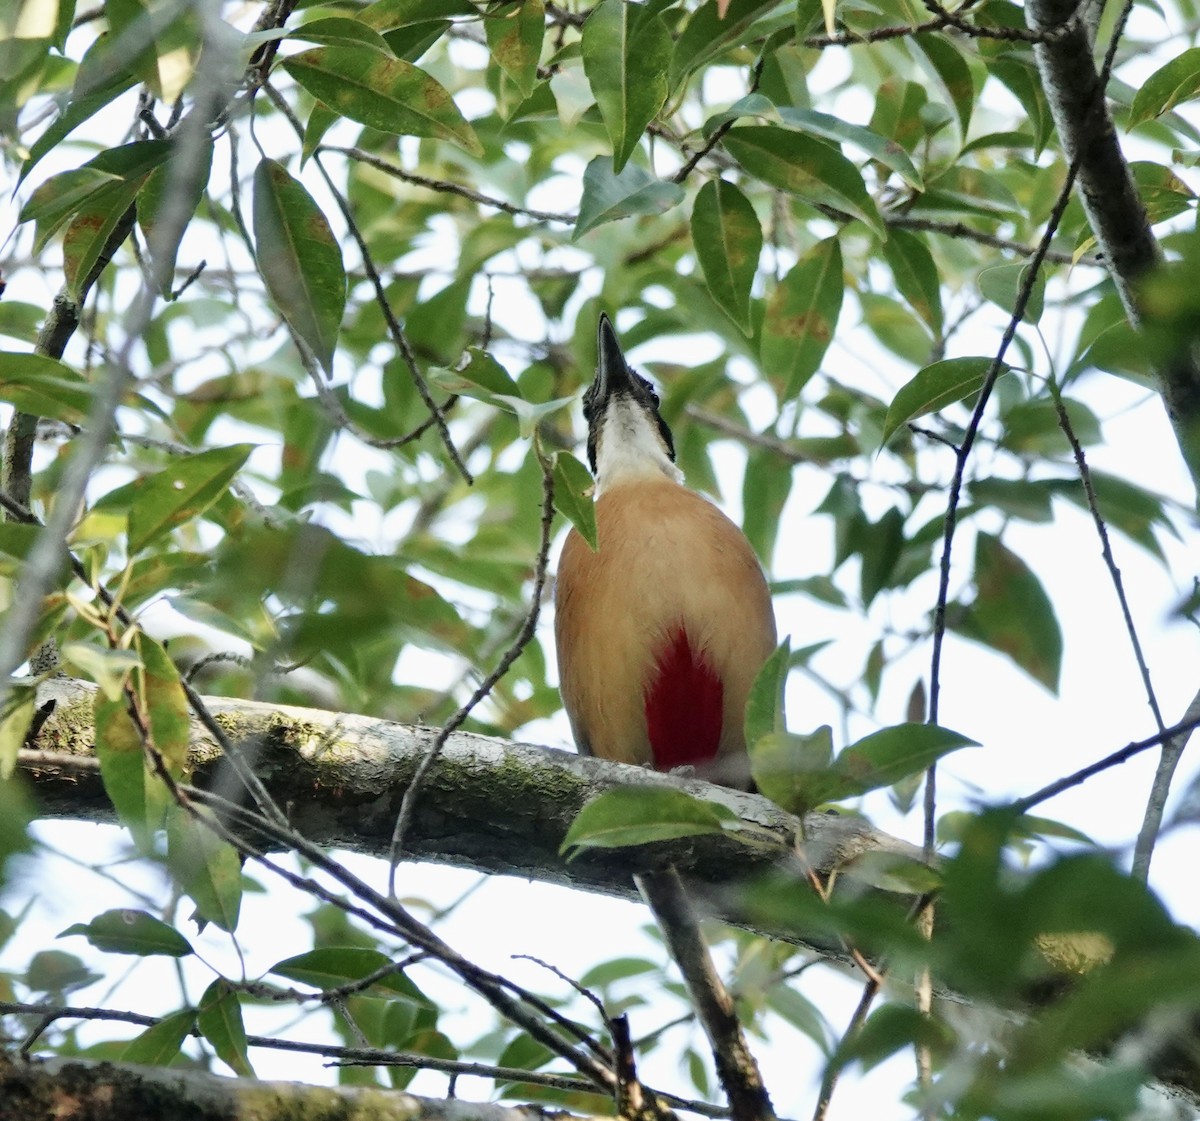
column 660, row 633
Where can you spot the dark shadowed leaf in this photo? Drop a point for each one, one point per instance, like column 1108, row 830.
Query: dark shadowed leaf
column 333, row 967
column 1012, row 613
column 935, row 387
column 916, row 274
column 122, row 931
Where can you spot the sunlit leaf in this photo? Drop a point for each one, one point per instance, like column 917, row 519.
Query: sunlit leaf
column 804, row 166
column 638, row 815
column 386, row 93
column 626, row 51
column 728, row 241
column 607, row 196
column 801, row 318
column 43, row 386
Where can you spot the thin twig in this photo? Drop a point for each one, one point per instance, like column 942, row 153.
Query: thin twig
column 1190, row 722
column 408, row 805
column 444, row 186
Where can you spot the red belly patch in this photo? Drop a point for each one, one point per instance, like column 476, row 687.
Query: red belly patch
column 683, row 707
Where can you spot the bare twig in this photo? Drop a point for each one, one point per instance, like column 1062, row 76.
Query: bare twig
column 408, row 805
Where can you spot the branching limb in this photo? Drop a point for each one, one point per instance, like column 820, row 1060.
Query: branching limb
column 1076, row 94
column 736, row 1066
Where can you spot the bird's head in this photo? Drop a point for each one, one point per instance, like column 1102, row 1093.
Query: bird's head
column 627, row 438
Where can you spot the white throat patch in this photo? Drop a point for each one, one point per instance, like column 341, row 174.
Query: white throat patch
column 629, row 446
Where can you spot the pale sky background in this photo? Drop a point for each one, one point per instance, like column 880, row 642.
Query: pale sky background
column 1028, row 737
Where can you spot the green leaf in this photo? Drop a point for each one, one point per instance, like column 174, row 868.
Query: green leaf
column 138, row 793
column 91, row 228
column 100, row 79
column 299, row 258
column 891, row 754
column 880, row 148
column 801, row 318
column 514, row 36
column 57, row 972
column 385, row 15
column 727, row 239
column 382, row 92
column 15, row 722
column 184, row 489
column 1012, row 613
column 711, row 31
column 160, row 1043
column 59, row 197
column 916, row 274
column 764, row 705
column 1176, row 81
column 608, row 196
column 530, row 414
column 175, row 187
column 333, row 967
column 626, row 51
column 107, row 668
column 809, row 168
column 1002, row 284
column 791, row 769
column 573, row 486
column 478, row 375
column 121, row 931
column 220, row 1022
column 339, row 29
column 208, row 868
column 44, row 387
column 933, row 388
column 945, row 62
column 639, row 815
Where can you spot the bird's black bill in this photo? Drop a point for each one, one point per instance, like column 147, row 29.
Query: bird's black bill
column 612, row 371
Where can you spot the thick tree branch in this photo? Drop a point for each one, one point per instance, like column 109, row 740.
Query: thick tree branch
column 55, row 1088
column 1114, row 209
column 488, row 804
